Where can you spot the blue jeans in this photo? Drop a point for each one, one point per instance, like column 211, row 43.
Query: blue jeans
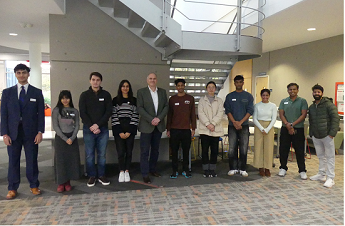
column 238, row 140
column 149, row 141
column 93, row 141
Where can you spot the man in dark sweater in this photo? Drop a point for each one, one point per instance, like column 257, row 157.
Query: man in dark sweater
column 95, row 109
column 238, row 107
column 323, row 126
column 181, row 119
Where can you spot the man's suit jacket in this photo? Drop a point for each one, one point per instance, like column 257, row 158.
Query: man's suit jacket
column 147, row 112
column 32, row 115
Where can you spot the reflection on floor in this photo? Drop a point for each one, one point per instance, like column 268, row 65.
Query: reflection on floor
column 197, row 200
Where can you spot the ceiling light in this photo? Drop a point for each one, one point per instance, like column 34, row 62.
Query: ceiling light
column 13, row 34
column 311, row 29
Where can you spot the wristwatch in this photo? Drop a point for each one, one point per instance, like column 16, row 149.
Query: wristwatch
column 291, row 124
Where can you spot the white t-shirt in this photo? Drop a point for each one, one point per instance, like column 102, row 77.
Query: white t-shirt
column 265, row 112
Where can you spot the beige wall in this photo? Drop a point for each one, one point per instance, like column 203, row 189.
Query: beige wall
column 307, row 64
column 244, row 68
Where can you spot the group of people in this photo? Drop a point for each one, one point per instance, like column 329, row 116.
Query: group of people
column 22, row 124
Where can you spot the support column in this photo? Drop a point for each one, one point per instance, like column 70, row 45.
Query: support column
column 35, row 58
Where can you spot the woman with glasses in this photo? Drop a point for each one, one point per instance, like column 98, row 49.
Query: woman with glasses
column 210, row 113
column 66, row 125
column 124, row 122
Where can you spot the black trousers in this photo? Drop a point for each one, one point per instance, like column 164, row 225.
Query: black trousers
column 207, row 142
column 124, row 149
column 177, row 137
column 297, row 141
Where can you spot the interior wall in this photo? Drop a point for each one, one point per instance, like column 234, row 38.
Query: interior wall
column 320, row 62
column 86, row 40
column 244, row 68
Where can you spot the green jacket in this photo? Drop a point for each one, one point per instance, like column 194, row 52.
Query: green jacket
column 323, row 119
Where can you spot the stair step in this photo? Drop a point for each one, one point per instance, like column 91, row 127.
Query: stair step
column 201, row 73
column 162, row 40
column 149, row 31
column 106, row 3
column 120, row 9
column 134, row 20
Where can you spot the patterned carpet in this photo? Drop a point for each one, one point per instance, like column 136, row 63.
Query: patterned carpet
column 227, row 200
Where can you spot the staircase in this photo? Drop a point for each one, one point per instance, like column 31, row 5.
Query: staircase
column 215, row 52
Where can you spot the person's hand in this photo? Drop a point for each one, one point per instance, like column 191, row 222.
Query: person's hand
column 127, row 135
column 237, row 125
column 155, row 121
column 94, row 127
column 122, row 135
column 7, row 140
column 168, row 133
column 292, row 131
column 69, row 141
column 193, row 133
column 96, row 131
column 210, row 127
column 264, row 132
column 38, row 138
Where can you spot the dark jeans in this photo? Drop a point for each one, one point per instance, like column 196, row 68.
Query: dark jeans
column 93, row 141
column 149, row 141
column 238, row 140
column 177, row 137
column 209, row 163
column 124, row 149
column 14, row 153
column 297, row 141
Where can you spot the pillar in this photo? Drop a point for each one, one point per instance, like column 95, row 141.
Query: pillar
column 35, row 58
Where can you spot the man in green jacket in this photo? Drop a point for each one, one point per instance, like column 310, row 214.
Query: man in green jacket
column 323, row 126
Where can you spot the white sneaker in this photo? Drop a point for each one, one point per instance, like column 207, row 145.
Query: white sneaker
column 303, row 175
column 122, row 177
column 329, row 183
column 282, row 172
column 232, row 172
column 127, row 177
column 243, row 173
column 318, row 177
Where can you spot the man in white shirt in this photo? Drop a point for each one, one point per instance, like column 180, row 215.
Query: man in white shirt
column 152, row 105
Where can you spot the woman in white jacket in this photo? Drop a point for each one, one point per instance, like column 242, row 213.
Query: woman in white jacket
column 264, row 117
column 210, row 113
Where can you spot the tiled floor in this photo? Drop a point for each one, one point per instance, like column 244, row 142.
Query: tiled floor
column 222, row 200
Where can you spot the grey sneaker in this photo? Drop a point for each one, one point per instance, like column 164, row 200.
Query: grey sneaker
column 91, row 182
column 282, row 172
column 318, row 177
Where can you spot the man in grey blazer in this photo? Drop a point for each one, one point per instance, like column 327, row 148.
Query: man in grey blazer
column 152, row 105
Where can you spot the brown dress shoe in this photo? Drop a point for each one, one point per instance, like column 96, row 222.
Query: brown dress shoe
column 267, row 173
column 35, row 191
column 11, row 194
column 262, row 172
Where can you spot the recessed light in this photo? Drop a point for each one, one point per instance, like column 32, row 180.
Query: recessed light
column 311, row 29
column 13, row 34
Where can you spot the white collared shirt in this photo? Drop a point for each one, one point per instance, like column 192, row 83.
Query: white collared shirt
column 154, row 96
column 19, row 88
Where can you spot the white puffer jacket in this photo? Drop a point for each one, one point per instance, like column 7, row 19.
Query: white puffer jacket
column 211, row 114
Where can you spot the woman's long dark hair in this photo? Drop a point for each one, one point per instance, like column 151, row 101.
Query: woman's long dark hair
column 130, row 92
column 67, row 94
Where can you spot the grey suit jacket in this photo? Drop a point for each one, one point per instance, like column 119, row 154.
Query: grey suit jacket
column 147, row 112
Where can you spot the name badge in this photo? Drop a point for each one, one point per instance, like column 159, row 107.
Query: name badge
column 32, row 99
column 177, row 103
column 233, row 99
column 72, row 114
column 187, row 102
column 286, row 102
column 101, row 99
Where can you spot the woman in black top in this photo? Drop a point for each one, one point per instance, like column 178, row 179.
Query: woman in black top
column 124, row 122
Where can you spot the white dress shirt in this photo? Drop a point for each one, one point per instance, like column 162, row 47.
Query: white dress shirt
column 19, row 88
column 154, row 95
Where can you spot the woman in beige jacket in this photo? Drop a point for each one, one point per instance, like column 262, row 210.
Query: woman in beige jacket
column 210, row 113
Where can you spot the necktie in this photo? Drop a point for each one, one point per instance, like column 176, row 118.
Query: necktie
column 21, row 98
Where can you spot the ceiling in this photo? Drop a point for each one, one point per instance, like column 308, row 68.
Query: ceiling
column 283, row 29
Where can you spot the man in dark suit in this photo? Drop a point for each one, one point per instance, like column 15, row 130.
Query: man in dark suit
column 22, row 124
column 152, row 105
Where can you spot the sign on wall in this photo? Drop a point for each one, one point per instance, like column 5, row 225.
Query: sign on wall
column 339, row 97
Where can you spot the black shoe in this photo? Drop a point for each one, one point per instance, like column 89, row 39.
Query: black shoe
column 155, row 174
column 186, row 174
column 103, row 180
column 91, row 182
column 174, row 175
column 212, row 173
column 147, row 180
column 206, row 173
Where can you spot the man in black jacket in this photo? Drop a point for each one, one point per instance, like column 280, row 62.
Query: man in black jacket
column 95, row 110
column 323, row 126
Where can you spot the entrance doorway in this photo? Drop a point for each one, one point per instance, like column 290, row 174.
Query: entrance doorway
column 261, row 82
